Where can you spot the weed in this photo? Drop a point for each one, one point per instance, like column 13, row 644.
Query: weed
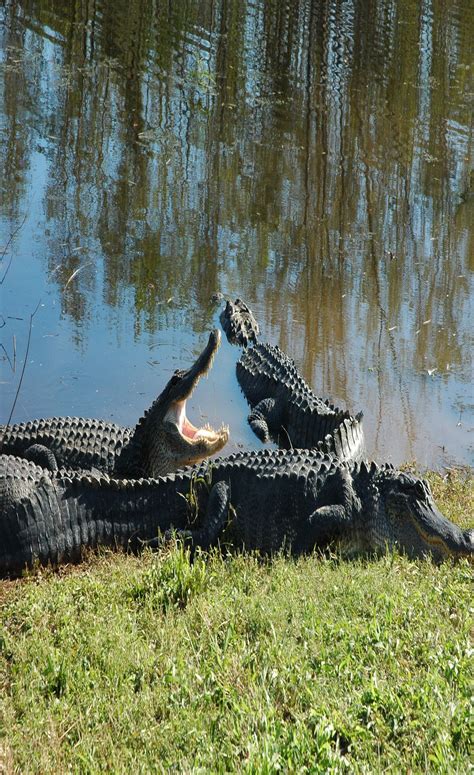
column 172, row 580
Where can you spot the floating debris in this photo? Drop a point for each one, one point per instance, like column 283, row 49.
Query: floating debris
column 76, row 272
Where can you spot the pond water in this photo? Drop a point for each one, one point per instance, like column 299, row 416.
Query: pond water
column 314, row 158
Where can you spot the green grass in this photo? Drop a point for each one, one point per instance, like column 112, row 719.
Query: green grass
column 147, row 664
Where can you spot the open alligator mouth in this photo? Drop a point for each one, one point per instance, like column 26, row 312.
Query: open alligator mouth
column 183, row 384
column 177, row 416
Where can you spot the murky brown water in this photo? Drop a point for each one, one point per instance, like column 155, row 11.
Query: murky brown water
column 315, row 158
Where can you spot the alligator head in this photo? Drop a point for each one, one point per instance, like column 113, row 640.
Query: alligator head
column 405, row 515
column 164, row 438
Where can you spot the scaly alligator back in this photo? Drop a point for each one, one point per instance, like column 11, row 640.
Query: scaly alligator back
column 285, row 408
column 263, row 500
column 51, row 518
column 76, row 442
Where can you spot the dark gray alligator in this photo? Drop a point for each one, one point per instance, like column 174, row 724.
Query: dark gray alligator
column 163, row 439
column 262, row 500
column 285, row 409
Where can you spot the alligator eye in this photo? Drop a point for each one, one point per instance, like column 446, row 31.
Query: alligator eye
column 175, row 378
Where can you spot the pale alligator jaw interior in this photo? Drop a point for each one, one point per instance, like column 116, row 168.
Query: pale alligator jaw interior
column 176, row 415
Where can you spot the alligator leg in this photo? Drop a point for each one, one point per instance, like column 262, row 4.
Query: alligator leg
column 324, row 525
column 214, row 520
column 339, row 489
column 334, row 516
column 265, row 418
column 42, row 456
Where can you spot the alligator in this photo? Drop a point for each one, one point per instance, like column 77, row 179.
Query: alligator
column 285, row 409
column 266, row 500
column 163, row 439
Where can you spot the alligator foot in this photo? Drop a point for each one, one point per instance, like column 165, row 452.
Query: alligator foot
column 265, row 419
column 331, row 520
column 338, row 490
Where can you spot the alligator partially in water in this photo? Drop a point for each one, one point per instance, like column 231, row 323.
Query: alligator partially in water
column 263, row 500
column 284, row 409
column 162, row 441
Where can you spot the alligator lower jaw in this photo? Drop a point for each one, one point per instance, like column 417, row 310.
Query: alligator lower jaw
column 176, row 415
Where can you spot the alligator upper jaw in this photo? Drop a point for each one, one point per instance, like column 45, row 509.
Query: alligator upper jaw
column 182, row 384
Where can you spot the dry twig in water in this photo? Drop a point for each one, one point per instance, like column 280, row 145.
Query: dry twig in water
column 12, row 235
column 24, row 362
column 77, row 272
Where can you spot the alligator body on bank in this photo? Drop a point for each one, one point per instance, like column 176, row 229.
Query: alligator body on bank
column 285, row 409
column 163, row 439
column 262, row 500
